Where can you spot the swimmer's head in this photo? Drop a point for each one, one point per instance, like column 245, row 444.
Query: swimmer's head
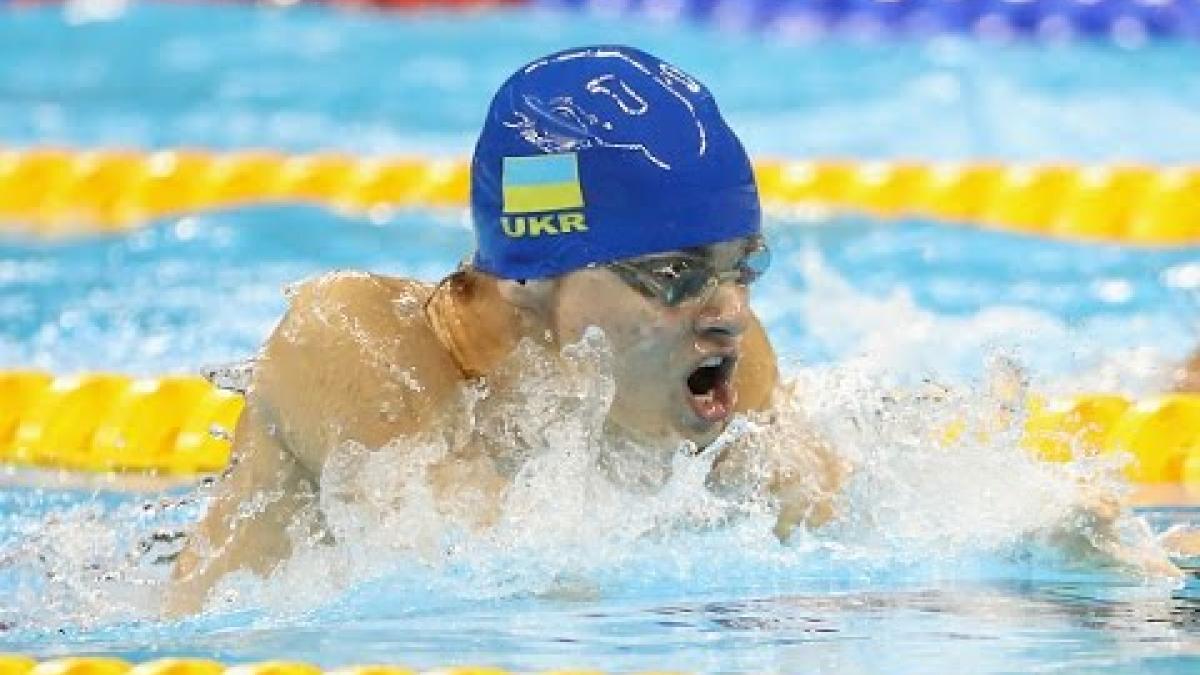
column 607, row 191
column 599, row 154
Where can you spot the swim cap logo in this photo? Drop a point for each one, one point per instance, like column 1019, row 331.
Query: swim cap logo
column 536, row 226
column 541, row 184
column 638, row 104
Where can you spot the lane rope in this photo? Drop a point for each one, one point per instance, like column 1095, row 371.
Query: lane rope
column 182, row 425
column 178, row 425
column 58, row 193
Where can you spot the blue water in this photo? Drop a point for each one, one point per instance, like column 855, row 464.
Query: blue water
column 732, row 610
column 205, row 289
column 309, row 79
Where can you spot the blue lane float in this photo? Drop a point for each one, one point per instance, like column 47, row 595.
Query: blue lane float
column 1121, row 20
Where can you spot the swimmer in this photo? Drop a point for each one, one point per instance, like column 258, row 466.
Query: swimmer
column 607, row 192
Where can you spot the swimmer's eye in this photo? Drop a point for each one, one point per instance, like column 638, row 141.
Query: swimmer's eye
column 691, row 283
column 672, row 271
column 674, row 280
column 754, row 265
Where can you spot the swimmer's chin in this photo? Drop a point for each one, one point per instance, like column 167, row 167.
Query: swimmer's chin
column 701, row 433
column 686, row 432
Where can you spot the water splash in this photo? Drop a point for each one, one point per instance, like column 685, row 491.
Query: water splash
column 939, row 486
column 910, row 344
column 82, row 563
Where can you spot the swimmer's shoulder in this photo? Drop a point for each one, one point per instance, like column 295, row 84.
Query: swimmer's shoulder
column 353, row 359
column 360, row 293
column 367, row 324
column 758, row 371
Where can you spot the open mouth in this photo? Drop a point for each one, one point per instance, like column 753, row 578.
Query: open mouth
column 710, row 388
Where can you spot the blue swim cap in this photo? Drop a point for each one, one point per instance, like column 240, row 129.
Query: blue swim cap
column 602, row 153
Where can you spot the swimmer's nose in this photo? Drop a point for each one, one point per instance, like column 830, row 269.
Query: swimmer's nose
column 725, row 314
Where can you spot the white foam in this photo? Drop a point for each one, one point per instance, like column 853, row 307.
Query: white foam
column 586, row 515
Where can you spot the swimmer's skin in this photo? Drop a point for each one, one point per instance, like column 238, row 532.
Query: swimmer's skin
column 350, row 339
column 339, row 368
column 332, row 351
column 1089, row 535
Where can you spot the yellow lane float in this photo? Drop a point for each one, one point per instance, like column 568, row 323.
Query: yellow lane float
column 106, row 422
column 14, row 664
column 59, row 192
column 182, row 425
column 1161, row 433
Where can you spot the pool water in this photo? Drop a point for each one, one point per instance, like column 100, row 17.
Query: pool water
column 929, row 570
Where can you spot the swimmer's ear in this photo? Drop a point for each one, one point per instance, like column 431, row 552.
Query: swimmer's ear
column 535, row 296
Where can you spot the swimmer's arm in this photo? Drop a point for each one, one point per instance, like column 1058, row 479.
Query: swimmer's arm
column 1090, row 534
column 1182, row 541
column 353, row 360
column 332, row 371
column 802, row 472
column 246, row 524
column 807, row 485
column 789, row 464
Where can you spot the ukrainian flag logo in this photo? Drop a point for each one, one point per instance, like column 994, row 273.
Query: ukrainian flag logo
column 542, row 183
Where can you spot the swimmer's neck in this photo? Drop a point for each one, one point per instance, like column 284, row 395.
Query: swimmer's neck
column 476, row 324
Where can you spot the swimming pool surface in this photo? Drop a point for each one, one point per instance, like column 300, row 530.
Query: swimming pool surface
column 938, row 578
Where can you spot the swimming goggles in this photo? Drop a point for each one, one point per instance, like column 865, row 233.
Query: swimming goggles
column 676, row 278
